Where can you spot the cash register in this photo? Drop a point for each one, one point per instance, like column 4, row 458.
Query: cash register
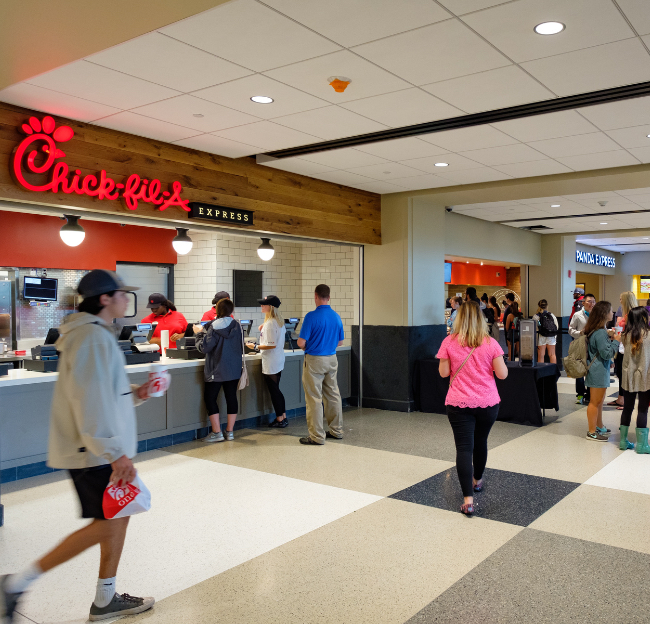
column 134, row 342
column 185, row 346
column 45, row 357
column 291, row 335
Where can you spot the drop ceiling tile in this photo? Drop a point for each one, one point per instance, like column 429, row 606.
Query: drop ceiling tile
column 220, row 146
column 168, row 62
column 504, row 155
column 312, row 77
column 55, row 103
column 624, row 114
column 461, row 7
column 601, row 67
column 499, row 88
column 389, row 171
column 642, row 153
column 237, row 94
column 463, row 139
column 637, row 12
column 403, row 108
column 474, row 176
column 331, row 122
column 533, row 168
column 550, row 126
column 418, row 183
column 437, row 52
column 575, row 145
column 601, row 160
column 455, row 162
column 250, row 34
column 401, row 149
column 126, row 121
column 296, row 165
column 382, row 188
column 343, row 177
column 631, row 137
column 182, row 109
column 268, row 135
column 510, row 27
column 351, row 22
column 346, row 158
column 99, row 84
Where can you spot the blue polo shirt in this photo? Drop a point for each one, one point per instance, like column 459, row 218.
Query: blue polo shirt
column 322, row 329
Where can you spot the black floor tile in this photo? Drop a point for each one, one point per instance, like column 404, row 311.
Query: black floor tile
column 507, row 496
column 543, row 578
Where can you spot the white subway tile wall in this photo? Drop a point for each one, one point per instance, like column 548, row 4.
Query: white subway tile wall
column 292, row 275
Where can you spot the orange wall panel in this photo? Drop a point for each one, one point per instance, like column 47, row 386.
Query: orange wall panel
column 28, row 240
column 463, row 273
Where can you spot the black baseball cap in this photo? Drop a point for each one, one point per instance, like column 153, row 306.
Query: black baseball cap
column 271, row 300
column 155, row 300
column 100, row 281
column 222, row 294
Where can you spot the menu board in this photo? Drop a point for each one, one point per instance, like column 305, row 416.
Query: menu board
column 645, row 283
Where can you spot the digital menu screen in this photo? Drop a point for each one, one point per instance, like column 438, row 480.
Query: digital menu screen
column 645, row 283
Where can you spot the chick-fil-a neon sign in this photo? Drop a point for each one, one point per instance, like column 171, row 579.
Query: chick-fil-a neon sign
column 133, row 190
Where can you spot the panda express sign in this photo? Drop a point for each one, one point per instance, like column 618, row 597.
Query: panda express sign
column 595, row 259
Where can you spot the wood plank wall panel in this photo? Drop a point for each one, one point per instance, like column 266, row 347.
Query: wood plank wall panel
column 283, row 202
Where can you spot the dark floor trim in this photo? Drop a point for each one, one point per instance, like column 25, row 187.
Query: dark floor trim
column 389, row 404
column 555, row 105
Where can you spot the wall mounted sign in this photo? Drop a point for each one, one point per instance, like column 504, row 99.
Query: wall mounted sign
column 133, row 190
column 595, row 259
column 199, row 210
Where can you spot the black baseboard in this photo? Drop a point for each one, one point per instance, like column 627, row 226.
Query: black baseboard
column 389, row 404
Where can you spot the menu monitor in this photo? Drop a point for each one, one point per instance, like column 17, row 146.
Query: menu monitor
column 40, row 288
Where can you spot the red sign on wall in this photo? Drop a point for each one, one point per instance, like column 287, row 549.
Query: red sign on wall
column 133, row 190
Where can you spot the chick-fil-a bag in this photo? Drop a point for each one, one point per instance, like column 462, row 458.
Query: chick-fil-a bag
column 126, row 499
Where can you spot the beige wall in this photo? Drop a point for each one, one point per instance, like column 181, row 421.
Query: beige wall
column 593, row 283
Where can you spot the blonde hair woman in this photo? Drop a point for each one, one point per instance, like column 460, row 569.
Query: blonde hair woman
column 628, row 301
column 471, row 358
column 272, row 336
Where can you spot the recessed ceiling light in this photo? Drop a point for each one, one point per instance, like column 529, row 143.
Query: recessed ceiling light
column 603, row 223
column 197, row 115
column 645, row 238
column 467, row 261
column 555, row 205
column 549, row 28
column 481, row 264
column 262, row 99
column 442, row 164
column 648, row 135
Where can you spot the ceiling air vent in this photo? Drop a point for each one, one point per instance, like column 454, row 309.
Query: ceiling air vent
column 535, row 227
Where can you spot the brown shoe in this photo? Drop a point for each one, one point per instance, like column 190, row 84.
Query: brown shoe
column 332, row 436
column 310, row 441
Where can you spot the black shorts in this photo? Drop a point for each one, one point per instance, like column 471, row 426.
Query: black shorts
column 90, row 484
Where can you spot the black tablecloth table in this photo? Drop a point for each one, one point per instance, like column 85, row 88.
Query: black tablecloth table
column 525, row 393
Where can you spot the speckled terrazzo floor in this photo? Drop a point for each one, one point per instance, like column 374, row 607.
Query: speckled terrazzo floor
column 364, row 530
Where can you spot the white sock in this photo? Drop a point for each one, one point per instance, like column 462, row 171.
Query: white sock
column 105, row 591
column 18, row 583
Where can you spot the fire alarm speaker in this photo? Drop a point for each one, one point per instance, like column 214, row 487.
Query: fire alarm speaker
column 527, row 342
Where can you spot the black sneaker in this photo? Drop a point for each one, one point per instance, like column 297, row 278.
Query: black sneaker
column 280, row 424
column 8, row 601
column 309, row 441
column 332, row 436
column 122, row 604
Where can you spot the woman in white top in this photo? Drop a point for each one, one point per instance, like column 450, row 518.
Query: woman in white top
column 546, row 335
column 272, row 337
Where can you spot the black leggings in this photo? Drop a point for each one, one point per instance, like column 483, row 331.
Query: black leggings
column 211, row 393
column 618, row 371
column 628, row 408
column 471, row 426
column 277, row 398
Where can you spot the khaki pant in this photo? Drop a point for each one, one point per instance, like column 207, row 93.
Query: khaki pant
column 321, row 387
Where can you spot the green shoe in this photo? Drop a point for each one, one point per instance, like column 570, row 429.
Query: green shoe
column 579, row 400
column 642, row 446
column 624, row 444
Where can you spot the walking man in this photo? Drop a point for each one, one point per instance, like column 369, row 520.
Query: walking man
column 93, row 435
column 321, row 333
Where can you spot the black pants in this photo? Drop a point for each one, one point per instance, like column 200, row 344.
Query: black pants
column 618, row 370
column 277, row 398
column 211, row 393
column 628, row 408
column 471, row 427
column 582, row 390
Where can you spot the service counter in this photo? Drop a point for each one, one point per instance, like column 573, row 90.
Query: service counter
column 25, row 399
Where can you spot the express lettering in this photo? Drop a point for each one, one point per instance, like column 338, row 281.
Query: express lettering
column 595, row 259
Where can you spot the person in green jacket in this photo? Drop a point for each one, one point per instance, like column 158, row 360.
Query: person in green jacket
column 602, row 348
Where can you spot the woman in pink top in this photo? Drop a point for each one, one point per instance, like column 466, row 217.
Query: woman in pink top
column 471, row 357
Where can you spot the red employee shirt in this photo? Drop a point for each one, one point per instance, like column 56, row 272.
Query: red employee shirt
column 173, row 321
column 210, row 315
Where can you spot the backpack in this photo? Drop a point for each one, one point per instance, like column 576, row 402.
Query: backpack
column 514, row 329
column 547, row 324
column 575, row 364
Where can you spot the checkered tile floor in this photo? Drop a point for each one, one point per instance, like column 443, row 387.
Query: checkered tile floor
column 366, row 529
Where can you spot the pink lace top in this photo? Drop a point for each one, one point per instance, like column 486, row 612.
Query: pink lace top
column 474, row 386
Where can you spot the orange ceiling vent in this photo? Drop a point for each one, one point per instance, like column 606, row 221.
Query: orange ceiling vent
column 339, row 83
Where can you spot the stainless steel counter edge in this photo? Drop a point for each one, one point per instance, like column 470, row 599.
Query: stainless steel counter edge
column 19, row 377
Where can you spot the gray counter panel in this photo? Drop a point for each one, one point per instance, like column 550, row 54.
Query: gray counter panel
column 152, row 414
column 185, row 405
column 291, row 383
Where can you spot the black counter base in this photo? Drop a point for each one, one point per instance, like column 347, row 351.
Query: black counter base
column 142, row 358
column 41, row 366
column 185, row 354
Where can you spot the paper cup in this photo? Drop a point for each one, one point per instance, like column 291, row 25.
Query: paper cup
column 164, row 341
column 158, row 380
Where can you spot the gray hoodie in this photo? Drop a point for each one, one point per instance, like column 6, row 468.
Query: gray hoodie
column 221, row 341
column 92, row 421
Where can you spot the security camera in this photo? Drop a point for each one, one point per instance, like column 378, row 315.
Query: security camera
column 602, row 203
column 449, row 208
column 622, row 253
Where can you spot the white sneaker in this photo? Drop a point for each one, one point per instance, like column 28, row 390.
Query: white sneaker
column 230, row 435
column 214, row 437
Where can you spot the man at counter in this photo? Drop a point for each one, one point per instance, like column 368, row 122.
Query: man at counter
column 321, row 334
column 211, row 314
column 165, row 314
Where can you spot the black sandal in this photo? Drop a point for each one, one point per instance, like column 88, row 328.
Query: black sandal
column 467, row 509
column 280, row 424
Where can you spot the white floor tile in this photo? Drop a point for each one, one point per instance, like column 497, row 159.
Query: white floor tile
column 629, row 472
column 206, row 518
